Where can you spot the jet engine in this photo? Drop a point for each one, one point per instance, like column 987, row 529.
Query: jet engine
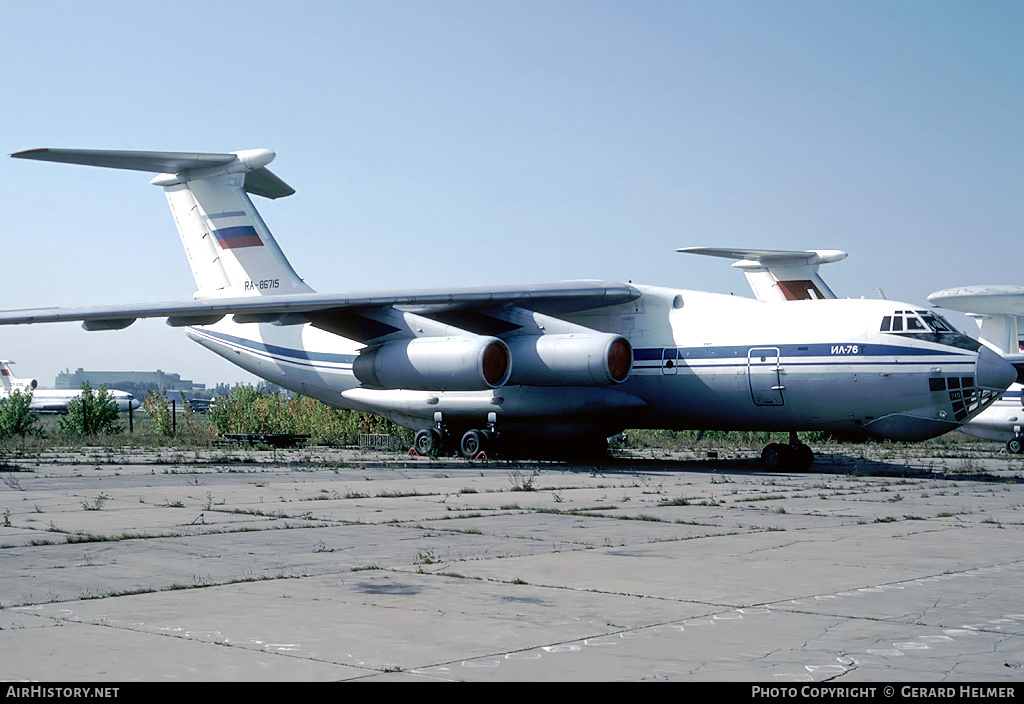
column 575, row 359
column 455, row 363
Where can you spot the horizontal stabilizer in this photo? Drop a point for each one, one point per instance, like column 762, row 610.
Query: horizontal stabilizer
column 772, row 256
column 258, row 181
column 262, row 182
column 153, row 162
column 777, row 274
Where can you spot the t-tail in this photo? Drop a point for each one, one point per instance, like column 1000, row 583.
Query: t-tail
column 230, row 249
column 779, row 275
column 12, row 383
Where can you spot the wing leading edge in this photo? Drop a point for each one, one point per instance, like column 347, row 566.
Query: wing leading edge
column 316, row 307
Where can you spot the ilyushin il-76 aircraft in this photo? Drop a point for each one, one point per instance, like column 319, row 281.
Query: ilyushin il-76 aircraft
column 563, row 365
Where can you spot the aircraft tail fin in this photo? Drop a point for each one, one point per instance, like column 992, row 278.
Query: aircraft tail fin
column 10, row 382
column 779, row 275
column 5, row 375
column 229, row 247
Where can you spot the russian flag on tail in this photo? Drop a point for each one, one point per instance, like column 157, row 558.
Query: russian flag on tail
column 235, row 237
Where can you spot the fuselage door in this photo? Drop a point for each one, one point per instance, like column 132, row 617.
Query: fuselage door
column 763, row 372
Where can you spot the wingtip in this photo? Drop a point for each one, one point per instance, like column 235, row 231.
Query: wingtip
column 27, row 153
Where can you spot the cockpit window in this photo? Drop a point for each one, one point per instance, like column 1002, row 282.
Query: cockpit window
column 915, row 321
column 935, row 322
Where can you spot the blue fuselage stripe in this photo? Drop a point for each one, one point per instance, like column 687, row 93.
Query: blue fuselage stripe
column 811, row 355
column 295, row 356
column 789, row 352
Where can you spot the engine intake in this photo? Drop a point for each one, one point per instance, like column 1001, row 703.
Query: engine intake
column 458, row 363
column 573, row 359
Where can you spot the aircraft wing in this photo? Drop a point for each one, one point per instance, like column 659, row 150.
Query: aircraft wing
column 778, row 274
column 339, row 313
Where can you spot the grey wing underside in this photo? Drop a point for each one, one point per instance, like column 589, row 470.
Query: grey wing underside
column 339, row 313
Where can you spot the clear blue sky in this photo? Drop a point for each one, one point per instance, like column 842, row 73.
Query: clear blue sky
column 467, row 142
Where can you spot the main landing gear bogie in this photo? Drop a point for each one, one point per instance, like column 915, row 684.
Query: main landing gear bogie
column 475, row 443
column 796, row 456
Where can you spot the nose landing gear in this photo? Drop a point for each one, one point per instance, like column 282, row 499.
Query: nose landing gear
column 796, row 456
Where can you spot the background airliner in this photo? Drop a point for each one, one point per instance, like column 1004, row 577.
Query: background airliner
column 52, row 400
column 563, row 365
column 997, row 311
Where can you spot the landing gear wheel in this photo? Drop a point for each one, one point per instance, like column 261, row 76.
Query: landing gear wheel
column 473, row 443
column 427, row 442
column 1015, row 444
column 775, row 456
column 779, row 457
column 803, row 458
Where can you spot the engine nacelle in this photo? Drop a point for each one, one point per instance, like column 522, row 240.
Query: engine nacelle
column 459, row 363
column 573, row 359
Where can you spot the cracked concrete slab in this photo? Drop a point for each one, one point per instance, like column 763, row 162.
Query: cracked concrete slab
column 320, row 564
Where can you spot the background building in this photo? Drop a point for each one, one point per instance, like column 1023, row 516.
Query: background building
column 134, row 382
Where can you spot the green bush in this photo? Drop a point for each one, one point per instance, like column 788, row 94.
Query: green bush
column 159, row 412
column 16, row 415
column 250, row 409
column 91, row 413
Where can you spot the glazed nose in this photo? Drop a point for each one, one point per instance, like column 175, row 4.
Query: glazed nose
column 992, row 372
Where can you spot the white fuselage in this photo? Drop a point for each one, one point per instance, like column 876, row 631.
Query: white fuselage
column 701, row 361
column 56, row 400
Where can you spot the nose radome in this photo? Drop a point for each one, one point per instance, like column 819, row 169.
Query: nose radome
column 992, row 372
